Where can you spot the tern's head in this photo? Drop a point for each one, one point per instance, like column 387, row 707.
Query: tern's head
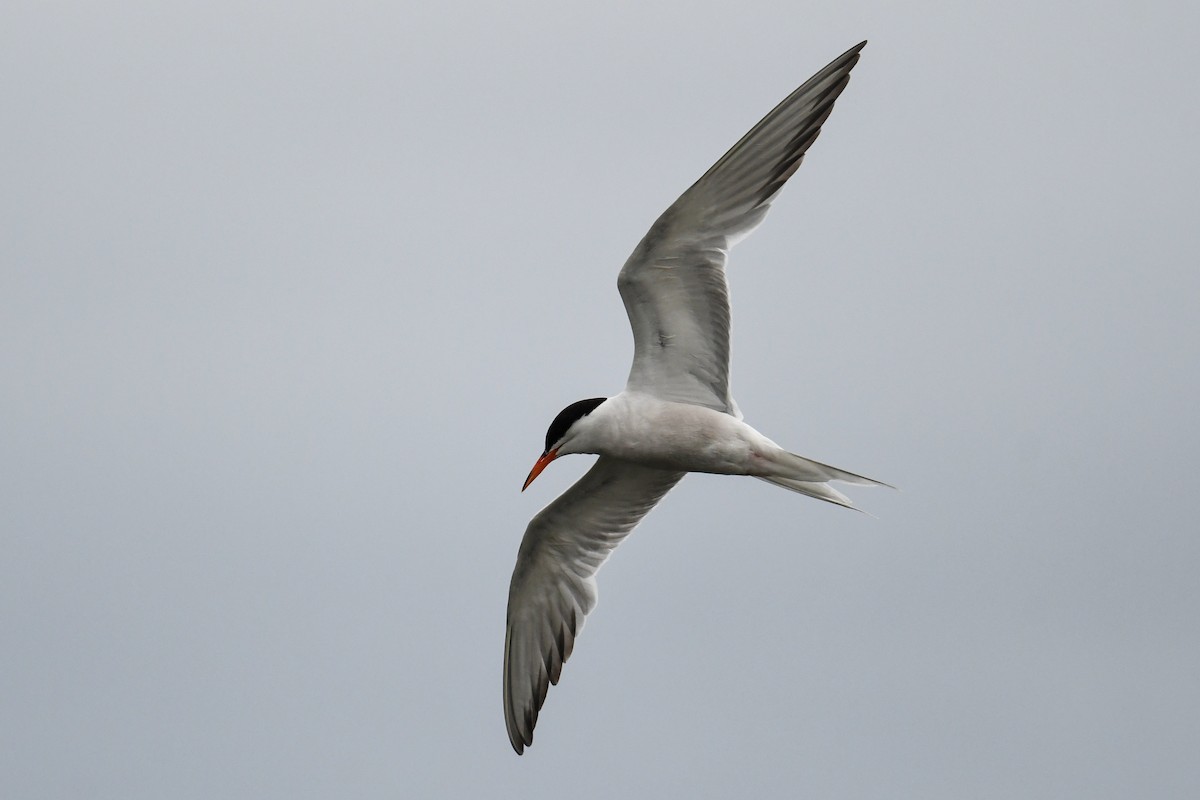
column 562, row 430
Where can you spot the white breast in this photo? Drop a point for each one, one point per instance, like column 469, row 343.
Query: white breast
column 638, row 427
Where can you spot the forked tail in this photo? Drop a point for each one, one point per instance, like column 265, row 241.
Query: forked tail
column 803, row 475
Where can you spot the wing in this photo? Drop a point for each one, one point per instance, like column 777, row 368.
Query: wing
column 674, row 283
column 554, row 586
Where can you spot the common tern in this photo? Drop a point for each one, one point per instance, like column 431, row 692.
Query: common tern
column 676, row 414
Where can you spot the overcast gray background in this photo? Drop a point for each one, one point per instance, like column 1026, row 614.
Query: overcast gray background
column 289, row 295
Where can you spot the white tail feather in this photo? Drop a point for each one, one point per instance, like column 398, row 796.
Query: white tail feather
column 821, row 491
column 803, row 475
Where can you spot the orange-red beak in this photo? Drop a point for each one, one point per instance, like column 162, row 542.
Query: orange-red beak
column 546, row 458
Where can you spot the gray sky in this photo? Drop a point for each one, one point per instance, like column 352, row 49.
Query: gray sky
column 289, row 295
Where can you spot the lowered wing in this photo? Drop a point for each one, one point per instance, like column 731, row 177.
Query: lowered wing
column 554, row 586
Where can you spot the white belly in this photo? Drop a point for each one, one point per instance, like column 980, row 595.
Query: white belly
column 678, row 436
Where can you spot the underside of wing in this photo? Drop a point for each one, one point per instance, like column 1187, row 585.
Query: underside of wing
column 553, row 585
column 674, row 285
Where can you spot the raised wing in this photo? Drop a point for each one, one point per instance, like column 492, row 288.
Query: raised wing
column 674, row 284
column 554, row 586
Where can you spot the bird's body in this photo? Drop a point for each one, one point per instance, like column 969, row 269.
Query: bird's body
column 676, row 414
column 638, row 427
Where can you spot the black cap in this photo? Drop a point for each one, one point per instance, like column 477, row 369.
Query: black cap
column 566, row 418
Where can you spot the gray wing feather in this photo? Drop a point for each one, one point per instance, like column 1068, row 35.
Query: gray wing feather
column 674, row 286
column 554, row 586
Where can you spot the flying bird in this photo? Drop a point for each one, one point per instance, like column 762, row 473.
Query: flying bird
column 676, row 414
